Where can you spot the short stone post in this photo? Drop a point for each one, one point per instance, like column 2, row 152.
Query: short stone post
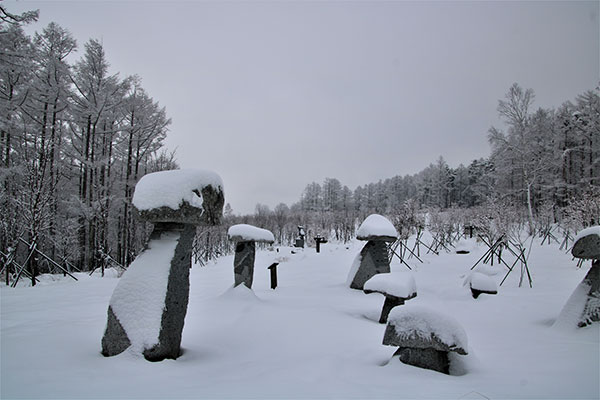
column 396, row 287
column 318, row 240
column 373, row 258
column 245, row 237
column 583, row 307
column 273, row 269
column 147, row 309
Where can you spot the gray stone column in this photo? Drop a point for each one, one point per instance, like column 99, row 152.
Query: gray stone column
column 243, row 263
column 177, row 225
column 374, row 260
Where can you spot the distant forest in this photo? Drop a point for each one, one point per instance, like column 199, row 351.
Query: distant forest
column 543, row 169
column 74, row 140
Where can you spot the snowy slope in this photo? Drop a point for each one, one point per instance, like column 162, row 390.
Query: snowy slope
column 312, row 337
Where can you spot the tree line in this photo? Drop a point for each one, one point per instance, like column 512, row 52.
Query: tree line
column 543, row 169
column 74, row 140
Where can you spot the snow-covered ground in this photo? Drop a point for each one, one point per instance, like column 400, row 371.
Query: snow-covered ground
column 312, row 337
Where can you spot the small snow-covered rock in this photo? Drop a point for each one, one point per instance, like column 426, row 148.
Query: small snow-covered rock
column 424, row 337
column 249, row 233
column 392, row 283
column 377, row 227
column 417, row 326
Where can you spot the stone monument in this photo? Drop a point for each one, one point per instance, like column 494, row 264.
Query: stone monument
column 147, row 309
column 373, row 259
column 245, row 237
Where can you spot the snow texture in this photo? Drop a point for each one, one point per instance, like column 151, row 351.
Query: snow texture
column 139, row 298
column 482, row 282
column 354, row 269
column 172, row 188
column 311, row 338
column 592, row 230
column 412, row 321
column 399, row 284
column 376, row 225
column 572, row 312
column 245, row 232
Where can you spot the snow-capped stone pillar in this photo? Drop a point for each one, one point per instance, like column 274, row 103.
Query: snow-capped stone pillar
column 245, row 238
column 396, row 287
column 147, row 309
column 373, row 258
column 583, row 307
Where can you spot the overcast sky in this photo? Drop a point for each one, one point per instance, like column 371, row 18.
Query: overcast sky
column 274, row 95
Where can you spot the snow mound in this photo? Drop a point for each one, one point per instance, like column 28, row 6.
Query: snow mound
column 393, row 283
column 172, row 188
column 465, row 245
column 412, row 321
column 480, row 281
column 139, row 297
column 592, row 230
column 574, row 308
column 245, row 232
column 239, row 293
column 374, row 226
column 354, row 269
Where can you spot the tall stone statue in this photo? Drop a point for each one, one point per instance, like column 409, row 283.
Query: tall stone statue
column 147, row 309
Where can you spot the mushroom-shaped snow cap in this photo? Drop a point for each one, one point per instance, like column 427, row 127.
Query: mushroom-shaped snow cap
column 587, row 244
column 249, row 233
column 377, row 227
column 401, row 285
column 187, row 196
column 418, row 327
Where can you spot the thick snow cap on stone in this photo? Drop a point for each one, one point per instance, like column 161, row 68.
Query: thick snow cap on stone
column 139, row 298
column 415, row 324
column 377, row 227
column 587, row 243
column 482, row 282
column 249, row 233
column 172, row 188
column 393, row 283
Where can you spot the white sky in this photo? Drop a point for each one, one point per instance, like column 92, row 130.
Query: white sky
column 274, row 95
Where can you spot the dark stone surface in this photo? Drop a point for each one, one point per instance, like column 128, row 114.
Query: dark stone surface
column 115, row 340
column 391, row 338
column 476, row 292
column 591, row 310
column 587, row 247
column 243, row 263
column 382, row 238
column 210, row 213
column 176, row 300
column 429, row 353
column 389, row 303
column 428, row 358
column 374, row 260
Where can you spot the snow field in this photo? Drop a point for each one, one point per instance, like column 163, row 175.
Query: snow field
column 312, row 337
